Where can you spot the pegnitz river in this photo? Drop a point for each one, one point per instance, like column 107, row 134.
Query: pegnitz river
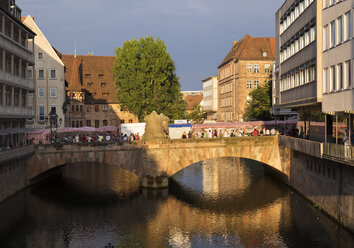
column 224, row 202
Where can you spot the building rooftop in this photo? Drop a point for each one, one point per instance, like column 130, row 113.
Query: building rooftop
column 91, row 74
column 251, row 48
column 191, row 100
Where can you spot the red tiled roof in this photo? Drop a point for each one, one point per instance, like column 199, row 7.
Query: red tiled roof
column 251, row 48
column 191, row 100
column 92, row 74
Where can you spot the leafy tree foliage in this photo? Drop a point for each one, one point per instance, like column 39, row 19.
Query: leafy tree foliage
column 197, row 114
column 260, row 103
column 146, row 79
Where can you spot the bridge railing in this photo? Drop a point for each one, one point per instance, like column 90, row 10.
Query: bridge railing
column 310, row 147
column 338, row 151
column 16, row 153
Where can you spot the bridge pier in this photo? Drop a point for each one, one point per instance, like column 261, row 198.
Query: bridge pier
column 154, row 181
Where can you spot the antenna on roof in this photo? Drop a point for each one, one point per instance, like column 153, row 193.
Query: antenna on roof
column 234, row 36
column 75, row 50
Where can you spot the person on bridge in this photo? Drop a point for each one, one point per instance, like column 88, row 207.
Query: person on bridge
column 255, row 132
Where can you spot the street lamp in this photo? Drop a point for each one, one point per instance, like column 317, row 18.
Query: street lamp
column 53, row 122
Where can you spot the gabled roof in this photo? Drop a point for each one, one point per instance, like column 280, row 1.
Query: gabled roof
column 95, row 70
column 251, row 48
column 41, row 41
column 191, row 100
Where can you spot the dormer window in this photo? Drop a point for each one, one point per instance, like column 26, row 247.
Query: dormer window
column 264, row 54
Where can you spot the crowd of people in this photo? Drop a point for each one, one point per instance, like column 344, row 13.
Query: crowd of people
column 95, row 137
column 220, row 133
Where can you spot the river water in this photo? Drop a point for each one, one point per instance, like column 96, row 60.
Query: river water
column 224, row 202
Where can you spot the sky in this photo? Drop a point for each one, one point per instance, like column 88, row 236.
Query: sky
column 197, row 33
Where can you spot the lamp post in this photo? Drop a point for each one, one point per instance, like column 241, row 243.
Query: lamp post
column 53, row 122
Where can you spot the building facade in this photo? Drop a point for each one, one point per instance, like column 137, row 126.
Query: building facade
column 91, row 93
column 298, row 56
column 16, row 55
column 337, row 56
column 247, row 66
column 48, row 77
column 210, row 97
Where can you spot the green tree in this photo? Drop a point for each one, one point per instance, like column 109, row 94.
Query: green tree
column 260, row 103
column 197, row 114
column 146, row 79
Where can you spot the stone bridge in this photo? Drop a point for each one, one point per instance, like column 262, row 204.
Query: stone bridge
column 166, row 157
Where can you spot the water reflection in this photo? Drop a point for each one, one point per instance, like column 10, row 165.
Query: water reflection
column 217, row 203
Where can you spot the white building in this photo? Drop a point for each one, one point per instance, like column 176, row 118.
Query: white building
column 210, row 97
column 49, row 84
column 16, row 55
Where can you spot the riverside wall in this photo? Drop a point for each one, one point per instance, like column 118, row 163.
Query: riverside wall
column 327, row 184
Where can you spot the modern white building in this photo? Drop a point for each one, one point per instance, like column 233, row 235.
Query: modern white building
column 210, row 97
column 16, row 55
column 49, row 83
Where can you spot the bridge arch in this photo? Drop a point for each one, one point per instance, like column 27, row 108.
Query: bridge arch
column 165, row 157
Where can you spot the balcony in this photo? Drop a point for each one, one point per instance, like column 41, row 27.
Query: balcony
column 16, row 48
column 16, row 80
column 304, row 94
column 15, row 112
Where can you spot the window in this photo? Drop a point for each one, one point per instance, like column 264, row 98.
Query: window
column 249, row 84
column 87, row 75
column 256, row 68
column 53, row 74
column 340, row 30
column 267, row 68
column 30, row 74
column 89, row 84
column 325, row 38
column 105, row 122
column 333, row 78
column 72, row 108
column 41, row 114
column 97, row 123
column 77, row 108
column 88, row 108
column 122, row 121
column 348, row 76
column 97, row 108
column 264, row 54
column 325, row 80
column 100, row 74
column 30, row 94
column 40, row 74
column 104, row 108
column 88, row 123
column 347, row 24
column 41, row 92
column 130, row 121
column 249, row 68
column 103, row 84
column 81, row 108
column 340, row 76
column 53, row 92
column 256, row 84
column 40, row 56
column 53, row 110
column 333, row 34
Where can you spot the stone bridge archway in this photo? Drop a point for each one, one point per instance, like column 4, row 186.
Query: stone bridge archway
column 165, row 157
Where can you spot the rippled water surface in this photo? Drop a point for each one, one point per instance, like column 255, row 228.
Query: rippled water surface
column 216, row 203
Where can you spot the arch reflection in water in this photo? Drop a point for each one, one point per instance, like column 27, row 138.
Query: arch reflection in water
column 223, row 203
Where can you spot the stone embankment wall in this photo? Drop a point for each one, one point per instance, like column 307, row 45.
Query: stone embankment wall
column 328, row 184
